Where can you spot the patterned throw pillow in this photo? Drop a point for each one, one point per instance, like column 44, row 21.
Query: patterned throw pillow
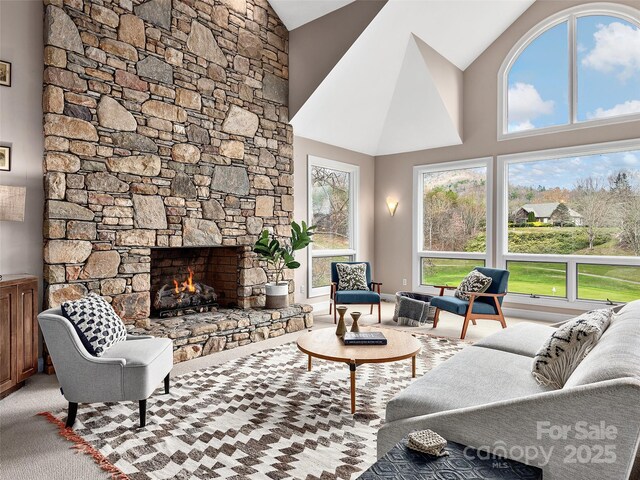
column 352, row 276
column 97, row 324
column 568, row 345
column 473, row 282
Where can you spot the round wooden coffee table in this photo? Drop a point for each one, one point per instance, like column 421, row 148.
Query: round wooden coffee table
column 326, row 345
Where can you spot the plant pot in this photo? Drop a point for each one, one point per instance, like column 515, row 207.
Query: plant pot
column 277, row 295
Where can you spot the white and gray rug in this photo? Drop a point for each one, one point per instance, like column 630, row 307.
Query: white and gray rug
column 261, row 416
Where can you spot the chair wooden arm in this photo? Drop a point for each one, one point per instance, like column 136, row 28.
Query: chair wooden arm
column 443, row 288
column 478, row 294
column 377, row 286
column 334, row 288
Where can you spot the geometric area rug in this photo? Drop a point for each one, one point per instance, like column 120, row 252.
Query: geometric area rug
column 259, row 416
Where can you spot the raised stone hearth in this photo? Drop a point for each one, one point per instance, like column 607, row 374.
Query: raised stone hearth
column 204, row 333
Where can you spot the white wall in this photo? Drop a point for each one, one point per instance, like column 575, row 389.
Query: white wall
column 21, row 129
column 302, row 148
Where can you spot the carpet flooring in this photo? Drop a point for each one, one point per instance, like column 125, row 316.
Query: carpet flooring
column 260, row 416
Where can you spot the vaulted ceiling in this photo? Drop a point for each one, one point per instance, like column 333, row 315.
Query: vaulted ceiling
column 398, row 87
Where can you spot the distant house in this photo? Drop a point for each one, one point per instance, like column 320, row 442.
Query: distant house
column 545, row 213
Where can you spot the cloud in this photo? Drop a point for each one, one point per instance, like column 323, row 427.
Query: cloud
column 526, row 104
column 630, row 159
column 617, row 48
column 626, row 108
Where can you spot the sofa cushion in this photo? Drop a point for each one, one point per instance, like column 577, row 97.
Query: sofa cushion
column 475, row 282
column 459, row 307
column 521, row 339
column 473, row 376
column 568, row 346
column 358, row 297
column 352, row 276
column 617, row 353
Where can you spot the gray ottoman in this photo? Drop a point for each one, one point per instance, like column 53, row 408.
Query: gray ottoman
column 413, row 309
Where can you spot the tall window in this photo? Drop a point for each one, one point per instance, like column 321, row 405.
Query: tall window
column 333, row 209
column 579, row 67
column 570, row 222
column 451, row 236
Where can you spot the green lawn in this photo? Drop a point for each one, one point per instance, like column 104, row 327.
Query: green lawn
column 595, row 282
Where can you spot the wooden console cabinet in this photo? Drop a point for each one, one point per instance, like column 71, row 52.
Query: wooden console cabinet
column 18, row 331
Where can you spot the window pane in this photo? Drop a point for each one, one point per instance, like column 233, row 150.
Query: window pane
column 538, row 83
column 331, row 205
column 608, row 67
column 455, row 210
column 618, row 283
column 538, row 278
column 447, row 271
column 586, row 205
column 321, row 269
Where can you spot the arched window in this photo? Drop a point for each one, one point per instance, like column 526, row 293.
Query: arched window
column 580, row 67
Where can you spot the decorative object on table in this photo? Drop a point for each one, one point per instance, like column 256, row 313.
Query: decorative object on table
column 429, row 442
column 12, row 204
column 342, row 328
column 413, row 309
column 280, row 255
column 5, row 158
column 352, row 276
column 19, row 331
column 364, row 338
column 129, row 370
column 354, row 297
column 486, row 305
column 5, row 73
column 568, row 346
column 354, row 326
column 404, row 463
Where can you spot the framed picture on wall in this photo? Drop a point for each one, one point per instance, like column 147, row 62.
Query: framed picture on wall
column 5, row 158
column 5, row 74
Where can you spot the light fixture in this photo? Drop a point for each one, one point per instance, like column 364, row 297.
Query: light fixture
column 392, row 205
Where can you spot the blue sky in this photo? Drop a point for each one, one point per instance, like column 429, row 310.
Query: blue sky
column 564, row 172
column 608, row 74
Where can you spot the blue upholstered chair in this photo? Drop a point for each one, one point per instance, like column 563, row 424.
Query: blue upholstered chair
column 487, row 305
column 354, row 297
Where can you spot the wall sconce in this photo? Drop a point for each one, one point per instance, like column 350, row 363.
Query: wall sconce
column 392, row 205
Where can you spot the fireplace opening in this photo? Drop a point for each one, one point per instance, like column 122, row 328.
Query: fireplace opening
column 187, row 280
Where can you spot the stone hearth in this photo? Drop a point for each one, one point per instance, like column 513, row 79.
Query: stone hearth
column 204, row 333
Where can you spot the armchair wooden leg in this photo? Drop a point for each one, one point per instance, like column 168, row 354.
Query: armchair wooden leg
column 166, row 384
column 473, row 321
column 71, row 415
column 335, row 318
column 436, row 317
column 143, row 412
column 330, row 306
column 465, row 325
column 380, row 312
column 371, row 310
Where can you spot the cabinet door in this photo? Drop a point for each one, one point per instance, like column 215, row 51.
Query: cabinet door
column 27, row 330
column 8, row 315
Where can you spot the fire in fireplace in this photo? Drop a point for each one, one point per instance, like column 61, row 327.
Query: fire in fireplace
column 184, row 298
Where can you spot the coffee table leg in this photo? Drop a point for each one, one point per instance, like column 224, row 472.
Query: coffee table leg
column 352, row 368
column 413, row 366
column 309, row 364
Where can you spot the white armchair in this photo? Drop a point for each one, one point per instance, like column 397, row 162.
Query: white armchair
column 129, row 370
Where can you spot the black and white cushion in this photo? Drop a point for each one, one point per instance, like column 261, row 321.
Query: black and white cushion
column 474, row 282
column 97, row 324
column 568, row 346
column 352, row 276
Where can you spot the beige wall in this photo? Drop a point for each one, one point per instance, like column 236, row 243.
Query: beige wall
column 302, row 148
column 394, row 175
column 21, row 129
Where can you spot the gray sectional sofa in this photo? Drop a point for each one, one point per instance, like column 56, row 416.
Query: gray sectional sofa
column 485, row 397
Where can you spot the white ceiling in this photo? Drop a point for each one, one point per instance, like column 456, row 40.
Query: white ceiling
column 381, row 98
column 295, row 13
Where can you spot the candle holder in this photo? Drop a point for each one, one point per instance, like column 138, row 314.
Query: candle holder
column 354, row 326
column 342, row 328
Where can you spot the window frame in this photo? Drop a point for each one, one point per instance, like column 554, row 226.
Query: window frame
column 354, row 185
column 570, row 16
column 502, row 234
column 418, row 210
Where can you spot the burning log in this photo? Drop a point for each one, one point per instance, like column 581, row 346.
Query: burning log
column 184, row 295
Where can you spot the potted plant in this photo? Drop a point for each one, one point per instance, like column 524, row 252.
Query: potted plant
column 280, row 255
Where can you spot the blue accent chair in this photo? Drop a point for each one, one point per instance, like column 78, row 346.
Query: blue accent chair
column 487, row 305
column 354, row 297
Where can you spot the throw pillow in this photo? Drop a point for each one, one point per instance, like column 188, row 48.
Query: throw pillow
column 97, row 324
column 352, row 276
column 473, row 282
column 568, row 346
